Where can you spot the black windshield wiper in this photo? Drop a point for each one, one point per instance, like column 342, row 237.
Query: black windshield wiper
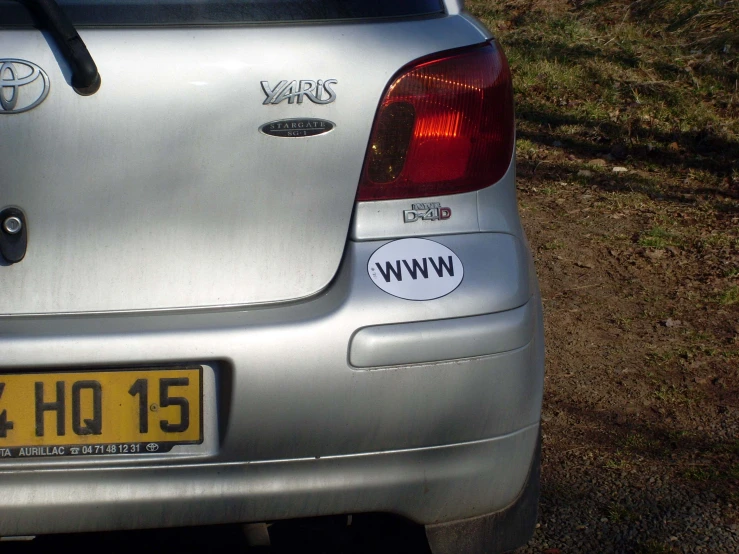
column 85, row 76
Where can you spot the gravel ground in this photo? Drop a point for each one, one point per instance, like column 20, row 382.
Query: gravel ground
column 584, row 509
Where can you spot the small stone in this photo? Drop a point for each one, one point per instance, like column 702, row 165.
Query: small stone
column 674, row 147
column 584, row 173
column 669, row 322
column 598, row 162
column 619, row 169
column 655, row 254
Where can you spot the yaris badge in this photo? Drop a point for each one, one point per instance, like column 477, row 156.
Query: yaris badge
column 318, row 92
column 23, row 86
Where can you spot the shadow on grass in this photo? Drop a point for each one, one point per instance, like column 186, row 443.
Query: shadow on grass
column 704, row 149
column 686, row 164
column 601, row 82
column 716, row 457
column 723, row 201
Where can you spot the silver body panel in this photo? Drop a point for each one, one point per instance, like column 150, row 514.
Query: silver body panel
column 492, row 209
column 291, row 390
column 323, row 394
column 300, row 430
column 194, row 207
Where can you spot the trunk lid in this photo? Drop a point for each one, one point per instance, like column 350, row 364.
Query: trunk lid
column 160, row 191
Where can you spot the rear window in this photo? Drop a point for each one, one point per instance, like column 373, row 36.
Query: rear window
column 213, row 12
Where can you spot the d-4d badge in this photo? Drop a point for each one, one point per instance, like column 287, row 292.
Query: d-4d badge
column 429, row 211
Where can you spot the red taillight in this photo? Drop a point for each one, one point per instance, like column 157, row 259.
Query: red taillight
column 444, row 126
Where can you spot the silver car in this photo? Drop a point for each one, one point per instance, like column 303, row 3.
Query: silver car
column 262, row 260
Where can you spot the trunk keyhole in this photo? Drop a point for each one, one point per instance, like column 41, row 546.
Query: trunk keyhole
column 13, row 235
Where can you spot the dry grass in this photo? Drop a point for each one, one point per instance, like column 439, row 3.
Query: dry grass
column 639, row 269
column 650, row 80
column 704, row 24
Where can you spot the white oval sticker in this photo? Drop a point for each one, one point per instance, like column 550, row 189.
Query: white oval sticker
column 415, row 269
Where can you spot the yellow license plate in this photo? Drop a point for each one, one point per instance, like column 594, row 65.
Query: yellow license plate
column 100, row 412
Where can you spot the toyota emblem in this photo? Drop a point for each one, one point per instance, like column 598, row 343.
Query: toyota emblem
column 23, row 86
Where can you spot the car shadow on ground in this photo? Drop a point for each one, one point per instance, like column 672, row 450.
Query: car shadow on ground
column 367, row 534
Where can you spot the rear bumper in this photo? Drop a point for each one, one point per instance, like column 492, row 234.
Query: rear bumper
column 343, row 403
column 427, row 485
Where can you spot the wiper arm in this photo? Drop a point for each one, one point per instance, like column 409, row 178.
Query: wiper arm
column 85, row 75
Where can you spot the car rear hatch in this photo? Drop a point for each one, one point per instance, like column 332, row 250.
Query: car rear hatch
column 160, row 191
